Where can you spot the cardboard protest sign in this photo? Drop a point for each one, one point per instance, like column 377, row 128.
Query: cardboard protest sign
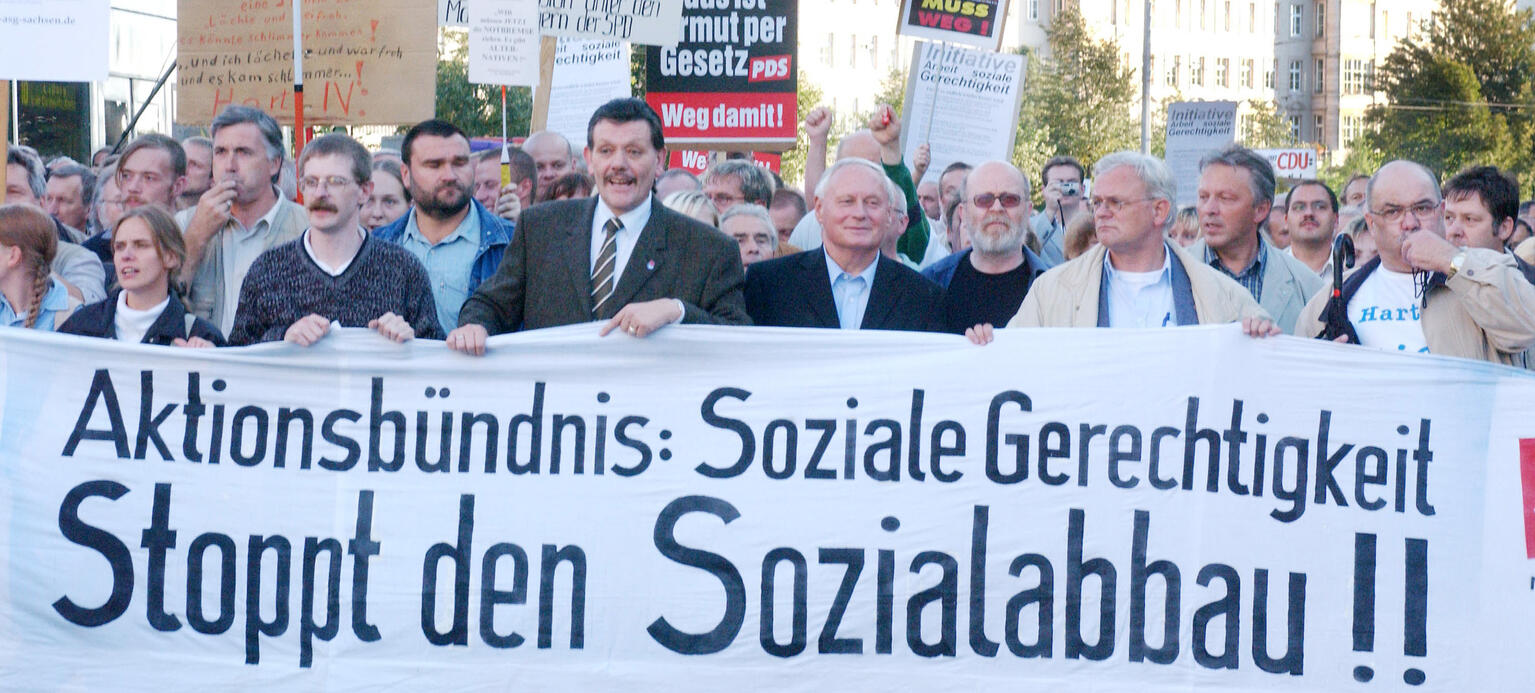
column 364, row 62
column 585, row 75
column 731, row 80
column 652, row 22
column 1298, row 163
column 572, row 512
column 503, row 42
column 1194, row 129
column 54, row 41
column 963, row 103
column 974, row 23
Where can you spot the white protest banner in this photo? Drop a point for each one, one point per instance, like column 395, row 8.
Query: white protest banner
column 453, row 13
column 651, row 22
column 587, row 74
column 949, row 91
column 503, row 42
column 1156, row 511
column 1194, row 129
column 33, row 31
column 1295, row 164
column 975, row 23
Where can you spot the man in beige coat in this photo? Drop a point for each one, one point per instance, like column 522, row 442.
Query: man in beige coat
column 1134, row 278
column 1471, row 302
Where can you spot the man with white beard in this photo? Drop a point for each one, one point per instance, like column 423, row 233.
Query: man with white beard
column 985, row 284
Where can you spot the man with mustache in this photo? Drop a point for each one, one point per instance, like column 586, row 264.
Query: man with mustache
column 335, row 272
column 985, row 284
column 240, row 217
column 1311, row 213
column 620, row 257
column 458, row 240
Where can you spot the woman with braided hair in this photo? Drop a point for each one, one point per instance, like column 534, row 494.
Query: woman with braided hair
column 29, row 295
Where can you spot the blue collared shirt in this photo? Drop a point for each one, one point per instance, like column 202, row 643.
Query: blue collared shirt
column 55, row 299
column 1140, row 299
column 449, row 262
column 850, row 292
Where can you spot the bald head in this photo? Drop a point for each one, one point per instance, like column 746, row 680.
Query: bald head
column 860, row 145
column 552, row 155
column 1399, row 171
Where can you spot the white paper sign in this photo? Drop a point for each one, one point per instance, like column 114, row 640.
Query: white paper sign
column 453, row 12
column 949, row 92
column 34, row 34
column 1297, row 163
column 1194, row 129
column 587, row 74
column 650, row 22
column 1158, row 511
column 503, row 42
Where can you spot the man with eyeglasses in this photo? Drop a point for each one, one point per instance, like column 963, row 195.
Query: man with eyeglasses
column 985, row 284
column 240, row 217
column 1134, row 277
column 1311, row 214
column 1422, row 293
column 1236, row 195
column 736, row 181
column 336, row 272
column 846, row 283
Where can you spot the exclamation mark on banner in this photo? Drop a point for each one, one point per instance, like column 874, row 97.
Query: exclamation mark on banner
column 1415, row 610
column 1527, row 476
column 1364, row 601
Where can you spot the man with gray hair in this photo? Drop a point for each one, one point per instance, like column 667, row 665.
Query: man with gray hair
column 68, row 195
column 736, row 181
column 846, row 283
column 80, row 269
column 199, row 151
column 752, row 229
column 241, row 216
column 1236, row 194
column 1134, row 277
column 985, row 283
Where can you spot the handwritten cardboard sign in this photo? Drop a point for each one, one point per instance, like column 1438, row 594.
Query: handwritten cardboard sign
column 365, row 61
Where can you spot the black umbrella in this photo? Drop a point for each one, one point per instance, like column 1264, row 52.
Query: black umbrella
column 1335, row 314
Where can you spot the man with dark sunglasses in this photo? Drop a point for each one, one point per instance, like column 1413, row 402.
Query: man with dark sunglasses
column 985, row 284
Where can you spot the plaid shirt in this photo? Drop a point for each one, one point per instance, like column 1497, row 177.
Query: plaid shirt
column 1250, row 278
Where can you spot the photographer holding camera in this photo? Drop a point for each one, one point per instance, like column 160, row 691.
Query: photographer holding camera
column 1062, row 188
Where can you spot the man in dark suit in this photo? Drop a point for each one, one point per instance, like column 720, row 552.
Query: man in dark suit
column 846, row 283
column 620, row 257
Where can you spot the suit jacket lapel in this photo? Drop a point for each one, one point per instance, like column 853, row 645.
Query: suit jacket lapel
column 646, row 260
column 573, row 256
column 881, row 295
column 818, row 289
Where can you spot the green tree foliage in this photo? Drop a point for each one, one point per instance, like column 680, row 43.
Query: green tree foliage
column 1262, row 126
column 1460, row 92
column 792, row 169
column 1079, row 102
column 476, row 108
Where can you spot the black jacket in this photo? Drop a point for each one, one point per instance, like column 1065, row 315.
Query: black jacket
column 795, row 291
column 98, row 320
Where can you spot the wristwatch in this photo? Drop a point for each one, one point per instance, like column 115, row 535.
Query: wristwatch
column 1455, row 263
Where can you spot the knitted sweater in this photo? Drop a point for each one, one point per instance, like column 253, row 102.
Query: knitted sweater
column 284, row 285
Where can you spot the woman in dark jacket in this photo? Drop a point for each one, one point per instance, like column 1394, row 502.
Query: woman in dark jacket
column 147, row 251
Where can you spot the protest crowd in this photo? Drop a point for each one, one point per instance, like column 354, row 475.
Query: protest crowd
column 202, row 242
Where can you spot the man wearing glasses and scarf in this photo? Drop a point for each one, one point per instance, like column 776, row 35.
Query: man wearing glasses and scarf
column 1423, row 294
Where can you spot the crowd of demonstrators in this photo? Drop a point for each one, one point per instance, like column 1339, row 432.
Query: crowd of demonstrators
column 427, row 242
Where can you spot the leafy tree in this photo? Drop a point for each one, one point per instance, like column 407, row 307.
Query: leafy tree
column 1079, row 101
column 1262, row 126
column 1460, row 92
column 476, row 108
column 792, row 168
